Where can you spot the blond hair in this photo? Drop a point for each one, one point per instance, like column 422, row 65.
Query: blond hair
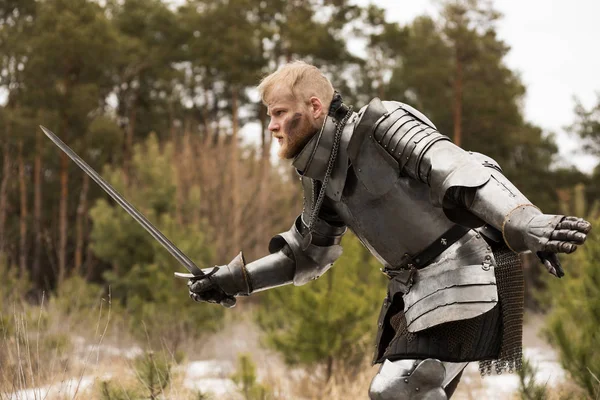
column 301, row 79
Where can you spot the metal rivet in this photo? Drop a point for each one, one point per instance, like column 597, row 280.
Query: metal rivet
column 359, row 170
column 478, row 236
column 405, row 380
column 485, row 266
column 380, row 324
column 416, row 389
column 488, row 257
column 488, row 248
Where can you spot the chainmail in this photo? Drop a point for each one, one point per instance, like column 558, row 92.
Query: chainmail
column 509, row 278
column 462, row 340
column 495, row 337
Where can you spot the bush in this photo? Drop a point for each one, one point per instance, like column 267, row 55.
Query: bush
column 573, row 322
column 108, row 390
column 245, row 379
column 529, row 389
column 333, row 318
column 142, row 278
column 154, row 373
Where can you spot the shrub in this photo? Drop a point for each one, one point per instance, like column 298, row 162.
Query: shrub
column 245, row 379
column 575, row 315
column 333, row 318
column 142, row 278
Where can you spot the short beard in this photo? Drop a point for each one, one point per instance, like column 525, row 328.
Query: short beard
column 299, row 130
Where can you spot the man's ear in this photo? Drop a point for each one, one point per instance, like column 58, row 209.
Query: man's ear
column 316, row 107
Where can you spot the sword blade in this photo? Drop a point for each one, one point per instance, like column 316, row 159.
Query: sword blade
column 131, row 210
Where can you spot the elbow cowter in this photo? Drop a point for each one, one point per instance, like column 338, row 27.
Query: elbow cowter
column 472, row 191
column 318, row 257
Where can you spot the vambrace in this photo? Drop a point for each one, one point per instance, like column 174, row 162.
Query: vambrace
column 241, row 279
column 503, row 206
column 472, row 190
column 315, row 260
column 287, row 263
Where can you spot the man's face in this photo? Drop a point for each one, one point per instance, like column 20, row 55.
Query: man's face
column 292, row 123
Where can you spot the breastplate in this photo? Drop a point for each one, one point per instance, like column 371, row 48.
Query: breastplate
column 390, row 225
column 392, row 215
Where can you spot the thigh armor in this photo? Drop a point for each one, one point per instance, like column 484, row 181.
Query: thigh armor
column 427, row 379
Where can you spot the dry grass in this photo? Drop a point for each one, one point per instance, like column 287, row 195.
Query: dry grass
column 85, row 356
column 41, row 346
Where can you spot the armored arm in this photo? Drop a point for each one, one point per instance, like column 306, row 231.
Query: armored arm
column 287, row 263
column 470, row 187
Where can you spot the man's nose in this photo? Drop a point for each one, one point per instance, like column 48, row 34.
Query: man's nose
column 273, row 126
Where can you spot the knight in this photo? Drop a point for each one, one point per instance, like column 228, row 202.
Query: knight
column 445, row 223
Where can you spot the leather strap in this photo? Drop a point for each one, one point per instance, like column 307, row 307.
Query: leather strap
column 436, row 248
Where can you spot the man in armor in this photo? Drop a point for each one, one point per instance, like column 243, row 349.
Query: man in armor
column 445, row 223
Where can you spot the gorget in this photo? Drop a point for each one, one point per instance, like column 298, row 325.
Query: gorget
column 312, row 160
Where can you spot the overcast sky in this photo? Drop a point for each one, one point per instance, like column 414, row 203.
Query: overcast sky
column 554, row 47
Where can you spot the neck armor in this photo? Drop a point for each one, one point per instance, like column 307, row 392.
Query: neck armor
column 313, row 159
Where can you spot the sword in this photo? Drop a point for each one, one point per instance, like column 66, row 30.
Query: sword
column 131, row 210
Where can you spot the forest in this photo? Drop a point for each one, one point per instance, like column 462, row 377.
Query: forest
column 160, row 98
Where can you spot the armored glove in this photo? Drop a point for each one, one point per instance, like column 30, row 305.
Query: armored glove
column 526, row 228
column 221, row 286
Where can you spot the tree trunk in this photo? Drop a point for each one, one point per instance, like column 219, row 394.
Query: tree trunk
column 458, row 94
column 129, row 134
column 235, row 173
column 62, row 210
column 329, row 371
column 263, row 207
column 82, row 209
column 23, row 215
column 37, row 209
column 6, row 173
column 179, row 163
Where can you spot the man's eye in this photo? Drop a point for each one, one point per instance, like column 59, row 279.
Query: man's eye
column 279, row 112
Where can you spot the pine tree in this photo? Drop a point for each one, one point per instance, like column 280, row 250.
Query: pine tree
column 453, row 69
column 142, row 275
column 575, row 314
column 331, row 321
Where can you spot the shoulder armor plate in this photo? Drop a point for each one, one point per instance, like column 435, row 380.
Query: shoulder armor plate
column 389, row 141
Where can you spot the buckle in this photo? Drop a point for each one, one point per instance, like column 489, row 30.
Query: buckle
column 402, row 279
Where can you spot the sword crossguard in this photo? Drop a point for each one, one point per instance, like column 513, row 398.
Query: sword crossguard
column 184, row 275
